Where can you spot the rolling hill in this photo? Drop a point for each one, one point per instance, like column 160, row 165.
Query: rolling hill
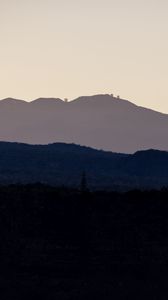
column 62, row 164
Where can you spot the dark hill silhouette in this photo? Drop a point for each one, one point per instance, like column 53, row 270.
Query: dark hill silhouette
column 100, row 121
column 63, row 164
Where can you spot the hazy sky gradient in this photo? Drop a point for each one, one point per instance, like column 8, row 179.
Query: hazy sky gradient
column 70, row 48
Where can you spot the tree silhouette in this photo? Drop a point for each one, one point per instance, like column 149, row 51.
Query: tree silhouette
column 83, row 186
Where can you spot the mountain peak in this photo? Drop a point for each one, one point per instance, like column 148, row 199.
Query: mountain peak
column 101, row 100
column 47, row 101
column 12, row 101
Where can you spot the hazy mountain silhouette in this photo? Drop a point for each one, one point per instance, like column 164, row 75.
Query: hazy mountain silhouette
column 63, row 164
column 100, row 121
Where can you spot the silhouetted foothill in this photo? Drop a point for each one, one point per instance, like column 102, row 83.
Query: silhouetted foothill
column 61, row 164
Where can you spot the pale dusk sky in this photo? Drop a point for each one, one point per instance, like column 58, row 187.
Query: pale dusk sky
column 70, row 48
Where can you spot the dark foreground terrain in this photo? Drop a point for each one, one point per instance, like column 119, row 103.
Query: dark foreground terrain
column 66, row 244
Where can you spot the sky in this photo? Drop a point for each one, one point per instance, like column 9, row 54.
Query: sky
column 71, row 48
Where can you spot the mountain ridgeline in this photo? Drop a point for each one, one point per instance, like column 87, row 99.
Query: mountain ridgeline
column 63, row 164
column 101, row 122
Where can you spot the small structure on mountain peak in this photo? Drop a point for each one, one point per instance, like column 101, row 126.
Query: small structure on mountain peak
column 66, row 100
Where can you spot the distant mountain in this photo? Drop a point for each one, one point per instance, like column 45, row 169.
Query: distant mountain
column 101, row 122
column 63, row 164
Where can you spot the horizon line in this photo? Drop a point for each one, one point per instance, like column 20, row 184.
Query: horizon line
column 66, row 100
